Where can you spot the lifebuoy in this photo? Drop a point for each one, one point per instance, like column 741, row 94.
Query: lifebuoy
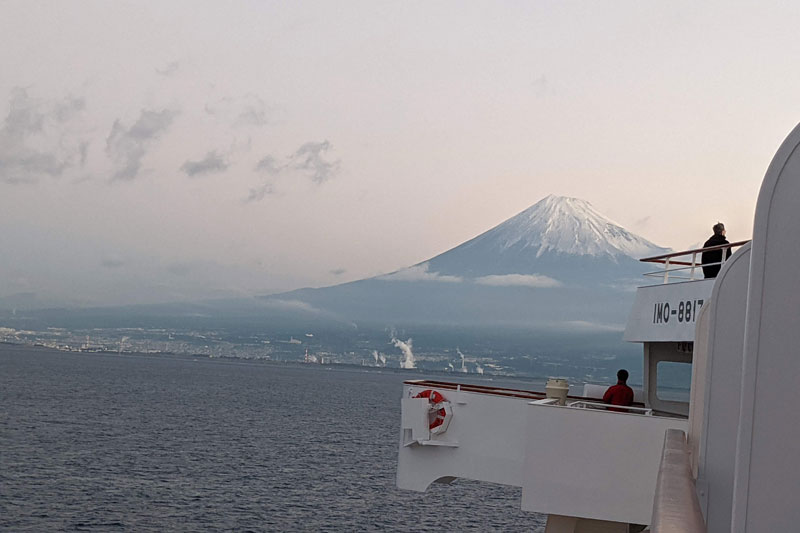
column 440, row 411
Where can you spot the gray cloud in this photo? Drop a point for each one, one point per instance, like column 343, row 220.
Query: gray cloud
column 179, row 269
column 271, row 169
column 213, row 163
column 249, row 110
column 338, row 271
column 519, row 280
column 127, row 146
column 35, row 141
column 112, row 262
column 253, row 114
column 84, row 152
column 171, row 68
column 540, row 86
column 420, row 273
column 260, row 192
column 269, row 166
column 310, row 159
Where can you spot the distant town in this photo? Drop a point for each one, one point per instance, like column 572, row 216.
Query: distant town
column 489, row 352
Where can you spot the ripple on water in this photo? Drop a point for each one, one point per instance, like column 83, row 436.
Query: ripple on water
column 95, row 442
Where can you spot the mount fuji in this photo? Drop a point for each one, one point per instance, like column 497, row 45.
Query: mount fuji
column 559, row 236
column 559, row 263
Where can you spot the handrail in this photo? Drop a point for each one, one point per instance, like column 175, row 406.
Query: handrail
column 655, row 258
column 675, row 506
column 498, row 391
column 582, row 404
column 672, row 266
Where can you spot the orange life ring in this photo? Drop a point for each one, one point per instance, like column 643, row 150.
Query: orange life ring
column 439, row 414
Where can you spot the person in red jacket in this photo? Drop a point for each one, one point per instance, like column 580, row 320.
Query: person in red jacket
column 619, row 394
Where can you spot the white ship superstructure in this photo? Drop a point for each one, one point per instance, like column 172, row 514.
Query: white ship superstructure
column 727, row 460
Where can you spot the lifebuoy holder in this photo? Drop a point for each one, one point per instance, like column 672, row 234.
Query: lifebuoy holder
column 439, row 411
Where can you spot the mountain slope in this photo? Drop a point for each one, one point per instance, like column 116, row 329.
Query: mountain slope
column 559, row 261
column 558, row 224
column 559, row 237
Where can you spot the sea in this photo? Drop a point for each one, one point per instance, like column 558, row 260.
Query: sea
column 124, row 442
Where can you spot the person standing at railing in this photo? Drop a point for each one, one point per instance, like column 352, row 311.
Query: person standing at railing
column 708, row 259
column 619, row 394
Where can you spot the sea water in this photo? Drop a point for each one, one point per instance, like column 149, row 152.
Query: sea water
column 106, row 442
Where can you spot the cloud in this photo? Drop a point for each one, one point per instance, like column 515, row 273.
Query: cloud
column 296, row 305
column 269, row 166
column 112, row 262
column 258, row 193
column 179, row 269
column 519, row 280
column 213, row 163
column 35, row 138
column 127, row 146
column 270, row 169
column 420, row 273
column 540, row 86
column 171, row 68
column 337, row 271
column 584, row 325
column 253, row 113
column 310, row 159
column 249, row 110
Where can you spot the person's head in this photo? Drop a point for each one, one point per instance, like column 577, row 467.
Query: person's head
column 719, row 228
column 622, row 375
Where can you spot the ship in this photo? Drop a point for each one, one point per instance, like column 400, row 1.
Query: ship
column 727, row 458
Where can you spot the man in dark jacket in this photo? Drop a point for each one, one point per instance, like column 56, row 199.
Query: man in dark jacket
column 714, row 256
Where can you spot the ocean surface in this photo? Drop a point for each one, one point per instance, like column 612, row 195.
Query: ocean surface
column 104, row 442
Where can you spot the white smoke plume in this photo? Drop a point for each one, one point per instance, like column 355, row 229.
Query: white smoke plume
column 451, row 367
column 408, row 361
column 478, row 368
column 463, row 361
column 380, row 359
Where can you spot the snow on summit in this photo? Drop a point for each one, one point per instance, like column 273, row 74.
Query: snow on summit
column 558, row 224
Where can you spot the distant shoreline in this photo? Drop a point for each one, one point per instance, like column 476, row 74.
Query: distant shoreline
column 337, row 367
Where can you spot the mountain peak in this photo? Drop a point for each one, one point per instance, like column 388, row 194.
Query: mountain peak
column 560, row 224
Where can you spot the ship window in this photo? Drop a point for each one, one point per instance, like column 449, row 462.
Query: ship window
column 673, row 381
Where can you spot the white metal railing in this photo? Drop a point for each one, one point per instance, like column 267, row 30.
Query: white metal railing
column 583, row 404
column 683, row 265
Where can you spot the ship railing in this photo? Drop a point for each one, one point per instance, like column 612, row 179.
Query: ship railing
column 683, row 266
column 582, row 404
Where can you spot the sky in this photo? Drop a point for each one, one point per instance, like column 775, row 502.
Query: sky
column 159, row 151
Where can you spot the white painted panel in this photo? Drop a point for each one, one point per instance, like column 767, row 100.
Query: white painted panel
column 489, row 431
column 716, row 404
column 767, row 478
column 415, row 418
column 667, row 312
column 593, row 464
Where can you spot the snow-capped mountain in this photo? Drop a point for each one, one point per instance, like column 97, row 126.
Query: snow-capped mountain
column 560, row 260
column 558, row 236
column 565, row 225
